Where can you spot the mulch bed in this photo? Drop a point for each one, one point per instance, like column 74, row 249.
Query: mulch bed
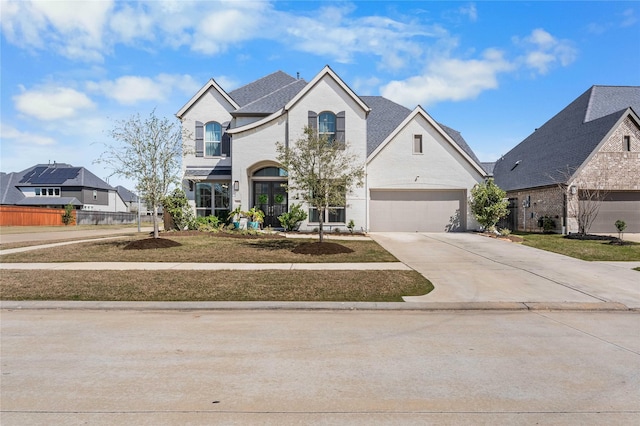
column 512, row 238
column 313, row 248
column 151, row 243
column 321, row 248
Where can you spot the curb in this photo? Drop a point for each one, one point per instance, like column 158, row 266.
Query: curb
column 313, row 306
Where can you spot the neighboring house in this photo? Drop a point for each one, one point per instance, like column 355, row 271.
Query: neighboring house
column 57, row 185
column 418, row 172
column 591, row 146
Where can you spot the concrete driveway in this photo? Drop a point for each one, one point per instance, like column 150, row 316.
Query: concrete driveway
column 466, row 267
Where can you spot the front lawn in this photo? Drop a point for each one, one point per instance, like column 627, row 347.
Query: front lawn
column 203, row 248
column 591, row 250
column 320, row 286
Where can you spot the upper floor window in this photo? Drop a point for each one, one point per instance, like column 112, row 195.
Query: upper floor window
column 626, row 143
column 212, row 140
column 327, row 125
column 417, row 144
column 47, row 192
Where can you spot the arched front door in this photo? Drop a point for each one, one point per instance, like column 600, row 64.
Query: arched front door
column 269, row 194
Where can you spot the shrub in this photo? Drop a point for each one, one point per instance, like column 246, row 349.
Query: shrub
column 351, row 225
column 67, row 216
column 177, row 205
column 208, row 223
column 291, row 220
column 505, row 232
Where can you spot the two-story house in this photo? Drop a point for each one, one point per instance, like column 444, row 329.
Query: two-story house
column 57, row 185
column 418, row 172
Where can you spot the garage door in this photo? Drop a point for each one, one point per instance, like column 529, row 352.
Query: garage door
column 417, row 211
column 618, row 205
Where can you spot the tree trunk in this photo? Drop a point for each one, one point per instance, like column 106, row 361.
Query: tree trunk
column 155, row 222
column 321, row 222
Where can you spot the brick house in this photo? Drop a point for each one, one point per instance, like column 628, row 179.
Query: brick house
column 589, row 150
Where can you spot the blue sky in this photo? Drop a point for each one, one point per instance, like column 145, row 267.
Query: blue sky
column 494, row 71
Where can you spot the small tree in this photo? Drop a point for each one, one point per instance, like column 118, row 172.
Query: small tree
column 488, row 204
column 323, row 171
column 67, row 216
column 147, row 151
column 621, row 225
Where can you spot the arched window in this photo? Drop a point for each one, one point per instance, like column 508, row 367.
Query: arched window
column 327, row 125
column 212, row 139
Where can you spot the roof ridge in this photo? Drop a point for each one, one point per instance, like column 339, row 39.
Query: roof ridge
column 275, row 91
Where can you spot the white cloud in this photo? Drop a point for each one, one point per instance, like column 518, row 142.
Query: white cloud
column 470, row 11
column 543, row 51
column 21, row 137
column 628, row 18
column 449, row 79
column 72, row 28
column 52, row 103
column 130, row 90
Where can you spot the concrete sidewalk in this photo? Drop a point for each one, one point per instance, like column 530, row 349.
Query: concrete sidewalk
column 177, row 266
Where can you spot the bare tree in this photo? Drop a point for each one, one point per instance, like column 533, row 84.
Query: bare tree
column 584, row 198
column 149, row 152
column 323, row 171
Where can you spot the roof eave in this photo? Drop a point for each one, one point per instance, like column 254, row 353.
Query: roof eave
column 327, row 71
column 211, row 83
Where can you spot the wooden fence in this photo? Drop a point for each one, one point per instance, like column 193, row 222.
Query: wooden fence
column 31, row 216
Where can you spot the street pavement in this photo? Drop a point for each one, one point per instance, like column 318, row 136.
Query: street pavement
column 511, row 335
column 302, row 367
column 466, row 267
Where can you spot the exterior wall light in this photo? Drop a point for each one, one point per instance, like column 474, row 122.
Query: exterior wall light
column 236, row 186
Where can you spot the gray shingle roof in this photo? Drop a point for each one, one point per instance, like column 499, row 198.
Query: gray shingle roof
column 554, row 151
column 273, row 101
column 49, row 201
column 9, row 194
column 384, row 118
column 60, row 174
column 260, row 88
column 126, row 195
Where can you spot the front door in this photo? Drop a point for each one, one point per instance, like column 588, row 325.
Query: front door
column 271, row 198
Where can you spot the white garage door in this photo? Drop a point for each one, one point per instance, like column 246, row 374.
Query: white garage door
column 417, row 211
column 618, row 206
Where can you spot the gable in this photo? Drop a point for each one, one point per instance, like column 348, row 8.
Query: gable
column 214, row 91
column 552, row 153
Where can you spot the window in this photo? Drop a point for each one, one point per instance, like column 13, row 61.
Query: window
column 47, row 192
column 626, row 143
column 417, row 144
column 212, row 198
column 327, row 125
column 332, row 214
column 212, row 140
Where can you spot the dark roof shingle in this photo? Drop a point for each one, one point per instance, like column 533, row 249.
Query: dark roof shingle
column 552, row 153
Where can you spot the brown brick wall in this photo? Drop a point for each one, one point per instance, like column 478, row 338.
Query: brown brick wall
column 546, row 201
column 613, row 168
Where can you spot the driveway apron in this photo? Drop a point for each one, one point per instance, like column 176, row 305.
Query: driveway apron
column 466, row 267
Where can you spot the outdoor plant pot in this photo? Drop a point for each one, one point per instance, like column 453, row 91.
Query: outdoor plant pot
column 254, row 225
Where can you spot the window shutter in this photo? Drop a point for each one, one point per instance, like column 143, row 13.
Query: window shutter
column 313, row 121
column 226, row 140
column 226, row 145
column 340, row 136
column 199, row 139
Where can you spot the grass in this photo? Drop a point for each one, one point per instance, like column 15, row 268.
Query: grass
column 352, row 286
column 591, row 250
column 202, row 249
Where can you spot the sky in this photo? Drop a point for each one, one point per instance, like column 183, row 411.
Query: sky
column 495, row 71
